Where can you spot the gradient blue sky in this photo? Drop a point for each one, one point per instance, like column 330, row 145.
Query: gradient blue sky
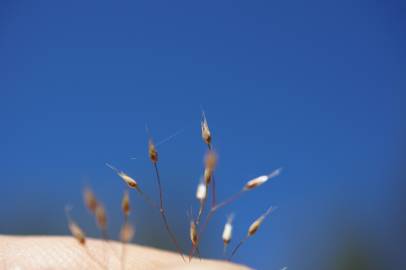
column 317, row 87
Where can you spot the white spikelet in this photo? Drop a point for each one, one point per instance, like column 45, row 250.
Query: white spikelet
column 201, row 191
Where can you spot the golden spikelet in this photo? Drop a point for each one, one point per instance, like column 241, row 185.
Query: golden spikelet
column 125, row 177
column 257, row 223
column 153, row 154
column 193, row 233
column 206, row 135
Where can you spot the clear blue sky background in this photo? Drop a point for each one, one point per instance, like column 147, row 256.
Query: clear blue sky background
column 317, row 87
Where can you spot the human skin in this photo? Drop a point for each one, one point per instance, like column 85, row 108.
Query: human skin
column 61, row 252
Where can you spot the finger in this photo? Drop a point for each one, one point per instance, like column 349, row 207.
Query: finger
column 58, row 252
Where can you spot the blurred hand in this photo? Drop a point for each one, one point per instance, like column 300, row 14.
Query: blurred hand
column 58, row 252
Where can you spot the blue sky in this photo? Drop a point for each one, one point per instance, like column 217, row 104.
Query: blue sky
column 313, row 86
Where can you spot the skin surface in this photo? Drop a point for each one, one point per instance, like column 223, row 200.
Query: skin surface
column 60, row 252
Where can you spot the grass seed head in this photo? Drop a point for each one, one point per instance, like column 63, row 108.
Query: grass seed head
column 228, row 230
column 210, row 162
column 206, row 135
column 261, row 179
column 207, row 176
column 153, row 154
column 125, row 177
column 129, row 180
column 77, row 232
column 127, row 233
column 201, row 191
column 193, row 233
column 257, row 223
column 90, row 200
column 125, row 204
column 101, row 217
column 74, row 229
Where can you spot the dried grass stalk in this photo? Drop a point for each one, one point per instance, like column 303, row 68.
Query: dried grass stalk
column 253, row 228
column 153, row 155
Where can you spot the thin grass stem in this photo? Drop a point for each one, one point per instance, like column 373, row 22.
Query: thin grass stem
column 163, row 214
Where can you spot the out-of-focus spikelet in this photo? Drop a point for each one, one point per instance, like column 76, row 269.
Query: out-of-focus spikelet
column 90, row 199
column 77, row 232
column 101, row 217
column 74, row 228
column 125, row 204
column 210, row 164
column 127, row 233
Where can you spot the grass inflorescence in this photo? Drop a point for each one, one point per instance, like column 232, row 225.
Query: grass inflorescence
column 198, row 224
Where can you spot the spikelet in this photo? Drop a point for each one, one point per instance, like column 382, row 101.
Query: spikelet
column 261, row 179
column 101, row 218
column 90, row 200
column 153, row 154
column 228, row 231
column 125, row 177
column 125, row 204
column 201, row 191
column 210, row 164
column 127, row 233
column 77, row 232
column 257, row 223
column 206, row 135
column 74, row 228
column 193, row 233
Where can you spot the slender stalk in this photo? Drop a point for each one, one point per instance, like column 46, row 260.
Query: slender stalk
column 229, row 200
column 148, row 199
column 123, row 253
column 237, row 247
column 163, row 215
column 213, row 185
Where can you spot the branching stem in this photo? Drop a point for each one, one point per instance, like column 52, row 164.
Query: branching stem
column 209, row 216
